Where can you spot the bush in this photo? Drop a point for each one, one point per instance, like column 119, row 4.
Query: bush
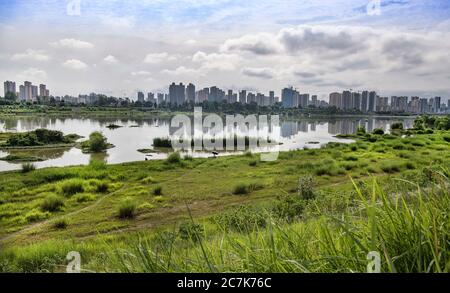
column 378, row 131
column 127, row 209
column 71, row 187
column 288, row 208
column 102, row 187
column 162, row 143
column 351, row 158
column 361, row 130
column 242, row 219
column 397, row 126
column 60, row 224
column 446, row 138
column 253, row 163
column 391, row 167
column 97, row 142
column 157, row 190
column 84, row 197
column 306, row 187
column 191, row 231
column 52, row 203
column 36, row 215
column 28, row 167
column 174, row 158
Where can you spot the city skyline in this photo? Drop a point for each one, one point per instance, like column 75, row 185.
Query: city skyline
column 119, row 48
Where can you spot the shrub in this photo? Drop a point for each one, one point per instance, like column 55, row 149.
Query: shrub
column 97, row 142
column 306, row 187
column 84, row 197
column 446, row 138
column 288, row 208
column 162, row 143
column 191, row 231
column 397, row 126
column 351, row 158
column 71, row 187
column 378, row 131
column 410, row 166
column 127, row 209
column 28, row 167
column 253, row 163
column 157, row 190
column 36, row 215
column 174, row 158
column 361, row 130
column 60, row 224
column 242, row 219
column 52, row 203
column 391, row 167
column 102, row 187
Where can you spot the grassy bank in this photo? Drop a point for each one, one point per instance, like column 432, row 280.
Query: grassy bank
column 299, row 213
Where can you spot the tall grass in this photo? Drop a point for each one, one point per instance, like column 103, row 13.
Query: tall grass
column 409, row 230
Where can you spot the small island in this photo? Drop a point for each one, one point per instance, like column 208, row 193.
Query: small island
column 113, row 126
column 39, row 138
column 96, row 143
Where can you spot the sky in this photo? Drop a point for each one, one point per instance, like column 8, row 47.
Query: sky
column 119, row 47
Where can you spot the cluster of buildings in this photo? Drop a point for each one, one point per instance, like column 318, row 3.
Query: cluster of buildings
column 369, row 101
column 180, row 94
column 366, row 101
column 27, row 92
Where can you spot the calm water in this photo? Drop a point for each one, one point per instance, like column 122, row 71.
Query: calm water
column 139, row 134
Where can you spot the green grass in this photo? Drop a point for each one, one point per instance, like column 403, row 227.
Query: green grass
column 272, row 228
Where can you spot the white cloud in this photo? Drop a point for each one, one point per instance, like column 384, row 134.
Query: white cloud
column 110, row 59
column 118, row 22
column 72, row 44
column 260, row 44
column 31, row 54
column 75, row 64
column 155, row 58
column 33, row 74
column 216, row 61
column 140, row 73
column 181, row 71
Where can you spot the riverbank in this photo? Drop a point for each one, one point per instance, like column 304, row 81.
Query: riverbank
column 119, row 204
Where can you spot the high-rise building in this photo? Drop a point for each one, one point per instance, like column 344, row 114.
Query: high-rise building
column 289, row 98
column 382, row 104
column 423, row 106
column 356, row 101
column 9, row 87
column 437, row 105
column 28, row 91
column 43, row 90
column 34, row 92
column 372, row 102
column 177, row 93
column 243, row 97
column 347, row 100
column 190, row 92
column 22, row 95
column 230, row 96
column 141, row 97
column 160, row 98
column 271, row 98
column 314, row 101
column 336, row 100
column 303, row 101
column 364, row 101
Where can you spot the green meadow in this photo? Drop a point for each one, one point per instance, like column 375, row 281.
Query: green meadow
column 312, row 210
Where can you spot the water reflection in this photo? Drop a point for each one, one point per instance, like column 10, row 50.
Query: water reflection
column 139, row 134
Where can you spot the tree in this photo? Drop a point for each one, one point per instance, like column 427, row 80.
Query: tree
column 97, row 142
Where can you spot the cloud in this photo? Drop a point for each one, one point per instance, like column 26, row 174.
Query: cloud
column 155, row 58
column 260, row 44
column 72, row 44
column 140, row 73
column 118, row 22
column 75, row 64
column 30, row 54
column 110, row 59
column 180, row 71
column 216, row 61
column 33, row 74
column 264, row 73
